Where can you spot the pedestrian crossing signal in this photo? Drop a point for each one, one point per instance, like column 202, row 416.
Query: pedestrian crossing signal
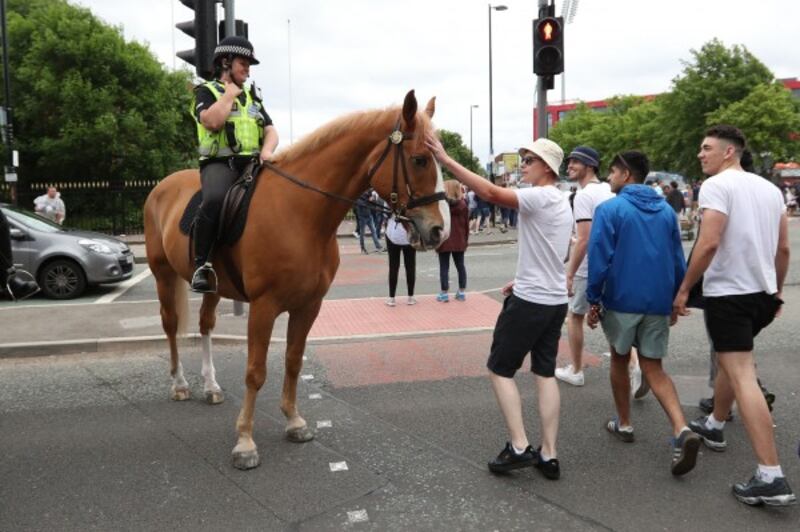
column 548, row 46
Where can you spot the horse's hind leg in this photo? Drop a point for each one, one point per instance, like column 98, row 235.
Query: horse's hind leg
column 259, row 330
column 208, row 318
column 173, row 298
column 300, row 322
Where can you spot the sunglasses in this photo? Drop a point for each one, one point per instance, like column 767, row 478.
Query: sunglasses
column 529, row 160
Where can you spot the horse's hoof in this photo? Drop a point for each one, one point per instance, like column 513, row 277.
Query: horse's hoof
column 246, row 460
column 215, row 397
column 300, row 434
column 180, row 394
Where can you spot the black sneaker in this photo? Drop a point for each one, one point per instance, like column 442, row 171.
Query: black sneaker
column 707, row 406
column 757, row 492
column 550, row 469
column 509, row 460
column 713, row 438
column 684, row 452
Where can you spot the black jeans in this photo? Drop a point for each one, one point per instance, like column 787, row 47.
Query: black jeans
column 409, row 259
column 444, row 269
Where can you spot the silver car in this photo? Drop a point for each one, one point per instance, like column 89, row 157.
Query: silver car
column 65, row 261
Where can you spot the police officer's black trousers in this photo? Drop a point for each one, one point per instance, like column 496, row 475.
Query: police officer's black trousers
column 6, row 261
column 216, row 178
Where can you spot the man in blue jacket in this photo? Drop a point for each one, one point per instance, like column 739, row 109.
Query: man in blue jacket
column 636, row 265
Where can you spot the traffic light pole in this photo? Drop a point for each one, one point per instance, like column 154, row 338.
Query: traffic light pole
column 230, row 18
column 8, row 118
column 541, row 88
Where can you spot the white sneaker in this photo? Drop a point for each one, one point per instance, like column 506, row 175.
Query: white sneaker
column 390, row 302
column 636, row 379
column 568, row 375
column 411, row 301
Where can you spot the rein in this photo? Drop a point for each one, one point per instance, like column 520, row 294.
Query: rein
column 397, row 209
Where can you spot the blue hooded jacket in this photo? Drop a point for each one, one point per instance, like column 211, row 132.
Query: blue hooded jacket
column 636, row 261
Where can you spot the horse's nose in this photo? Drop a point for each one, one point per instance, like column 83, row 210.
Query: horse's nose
column 436, row 235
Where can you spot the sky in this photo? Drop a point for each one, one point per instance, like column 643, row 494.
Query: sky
column 349, row 55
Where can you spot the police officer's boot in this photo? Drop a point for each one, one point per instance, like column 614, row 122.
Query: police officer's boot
column 204, row 279
column 17, row 288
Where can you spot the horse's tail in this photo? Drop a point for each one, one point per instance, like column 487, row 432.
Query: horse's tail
column 182, row 306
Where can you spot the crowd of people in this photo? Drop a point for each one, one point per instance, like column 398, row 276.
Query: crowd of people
column 613, row 257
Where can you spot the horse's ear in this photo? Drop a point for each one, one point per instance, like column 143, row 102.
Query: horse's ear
column 410, row 109
column 431, row 107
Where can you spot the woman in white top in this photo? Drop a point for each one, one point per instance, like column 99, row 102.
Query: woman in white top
column 397, row 243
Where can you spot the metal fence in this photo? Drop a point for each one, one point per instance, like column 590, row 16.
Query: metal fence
column 112, row 207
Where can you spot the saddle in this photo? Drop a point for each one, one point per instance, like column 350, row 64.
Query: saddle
column 233, row 217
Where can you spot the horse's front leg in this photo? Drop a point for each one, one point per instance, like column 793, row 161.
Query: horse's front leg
column 259, row 330
column 300, row 322
column 208, row 319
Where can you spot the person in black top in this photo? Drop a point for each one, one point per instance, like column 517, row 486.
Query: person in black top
column 233, row 129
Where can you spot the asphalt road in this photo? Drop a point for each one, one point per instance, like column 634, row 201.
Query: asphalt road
column 91, row 441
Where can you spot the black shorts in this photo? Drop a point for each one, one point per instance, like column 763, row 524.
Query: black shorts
column 522, row 328
column 733, row 321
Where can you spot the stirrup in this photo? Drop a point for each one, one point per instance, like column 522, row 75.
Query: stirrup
column 211, row 278
column 30, row 279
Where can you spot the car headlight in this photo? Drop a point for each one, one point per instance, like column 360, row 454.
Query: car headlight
column 96, row 246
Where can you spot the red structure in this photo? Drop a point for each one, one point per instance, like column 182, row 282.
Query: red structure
column 557, row 112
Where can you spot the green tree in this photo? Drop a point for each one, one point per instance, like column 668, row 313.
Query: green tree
column 88, row 104
column 455, row 147
column 715, row 77
column 769, row 118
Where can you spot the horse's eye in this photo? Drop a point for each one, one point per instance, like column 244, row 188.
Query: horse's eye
column 420, row 160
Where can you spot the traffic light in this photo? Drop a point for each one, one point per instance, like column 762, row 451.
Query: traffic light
column 204, row 31
column 548, row 46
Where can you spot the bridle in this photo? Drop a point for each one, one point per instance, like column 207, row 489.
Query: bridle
column 396, row 139
column 398, row 210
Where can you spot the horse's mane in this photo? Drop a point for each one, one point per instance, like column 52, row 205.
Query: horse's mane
column 324, row 135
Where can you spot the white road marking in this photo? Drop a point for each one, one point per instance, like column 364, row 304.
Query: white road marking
column 140, row 323
column 358, row 516
column 338, row 466
column 307, row 377
column 325, row 424
column 124, row 287
column 315, row 396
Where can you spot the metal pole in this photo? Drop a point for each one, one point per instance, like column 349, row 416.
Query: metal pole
column 9, row 115
column 491, row 133
column 541, row 91
column 470, row 129
column 291, row 129
column 230, row 17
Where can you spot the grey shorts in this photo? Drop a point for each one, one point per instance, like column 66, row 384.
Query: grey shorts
column 578, row 303
column 649, row 333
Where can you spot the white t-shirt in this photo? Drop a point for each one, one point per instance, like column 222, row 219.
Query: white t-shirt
column 745, row 260
column 585, row 202
column 659, row 190
column 545, row 228
column 396, row 233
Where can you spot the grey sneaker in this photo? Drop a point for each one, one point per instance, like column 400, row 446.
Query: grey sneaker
column 713, row 438
column 625, row 435
column 756, row 492
column 684, row 452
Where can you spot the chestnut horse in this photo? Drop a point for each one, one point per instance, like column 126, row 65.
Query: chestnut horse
column 288, row 254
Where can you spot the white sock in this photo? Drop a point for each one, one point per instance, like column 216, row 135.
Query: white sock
column 769, row 473
column 712, row 423
column 517, row 451
column 544, row 457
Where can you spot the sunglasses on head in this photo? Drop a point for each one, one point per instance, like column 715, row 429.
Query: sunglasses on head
column 530, row 159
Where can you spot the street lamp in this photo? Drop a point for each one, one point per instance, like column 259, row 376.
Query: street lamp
column 491, row 133
column 471, row 107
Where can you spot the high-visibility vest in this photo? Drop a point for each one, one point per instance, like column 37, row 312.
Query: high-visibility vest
column 242, row 132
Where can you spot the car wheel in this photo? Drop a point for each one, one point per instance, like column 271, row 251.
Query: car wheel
column 62, row 279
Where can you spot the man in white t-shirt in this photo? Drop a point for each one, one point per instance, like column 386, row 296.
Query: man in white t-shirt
column 51, row 206
column 742, row 253
column 536, row 301
column 582, row 166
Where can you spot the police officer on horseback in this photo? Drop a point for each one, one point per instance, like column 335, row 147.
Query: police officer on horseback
column 233, row 129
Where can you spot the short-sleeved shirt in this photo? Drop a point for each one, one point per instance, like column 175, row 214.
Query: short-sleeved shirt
column 745, row 260
column 204, row 99
column 584, row 204
column 545, row 229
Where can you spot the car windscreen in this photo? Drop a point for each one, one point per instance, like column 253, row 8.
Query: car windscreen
column 31, row 220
